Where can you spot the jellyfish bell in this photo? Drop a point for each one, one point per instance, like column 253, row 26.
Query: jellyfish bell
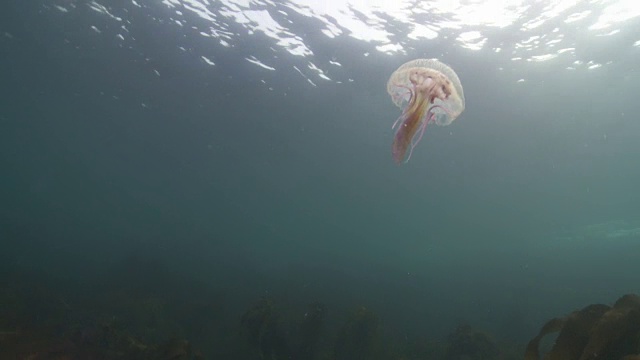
column 427, row 91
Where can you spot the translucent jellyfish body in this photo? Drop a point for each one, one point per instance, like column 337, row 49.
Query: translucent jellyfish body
column 427, row 91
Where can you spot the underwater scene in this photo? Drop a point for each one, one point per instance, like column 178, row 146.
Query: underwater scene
column 320, row 179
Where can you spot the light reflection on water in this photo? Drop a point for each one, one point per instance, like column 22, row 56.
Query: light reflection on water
column 521, row 31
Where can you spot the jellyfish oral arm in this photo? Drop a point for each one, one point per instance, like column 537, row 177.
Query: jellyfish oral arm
column 411, row 120
column 431, row 117
column 423, row 127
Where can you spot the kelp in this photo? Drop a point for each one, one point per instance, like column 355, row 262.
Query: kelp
column 470, row 344
column 597, row 331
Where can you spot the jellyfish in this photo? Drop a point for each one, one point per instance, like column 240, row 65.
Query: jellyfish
column 427, row 91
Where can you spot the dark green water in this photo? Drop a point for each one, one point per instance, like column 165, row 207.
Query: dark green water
column 111, row 147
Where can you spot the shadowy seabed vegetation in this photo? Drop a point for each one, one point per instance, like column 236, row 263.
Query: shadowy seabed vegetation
column 143, row 310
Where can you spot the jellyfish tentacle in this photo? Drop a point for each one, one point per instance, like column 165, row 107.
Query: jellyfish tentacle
column 421, row 129
column 408, row 156
column 414, row 143
column 406, row 113
column 432, row 116
column 400, row 119
column 409, row 91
